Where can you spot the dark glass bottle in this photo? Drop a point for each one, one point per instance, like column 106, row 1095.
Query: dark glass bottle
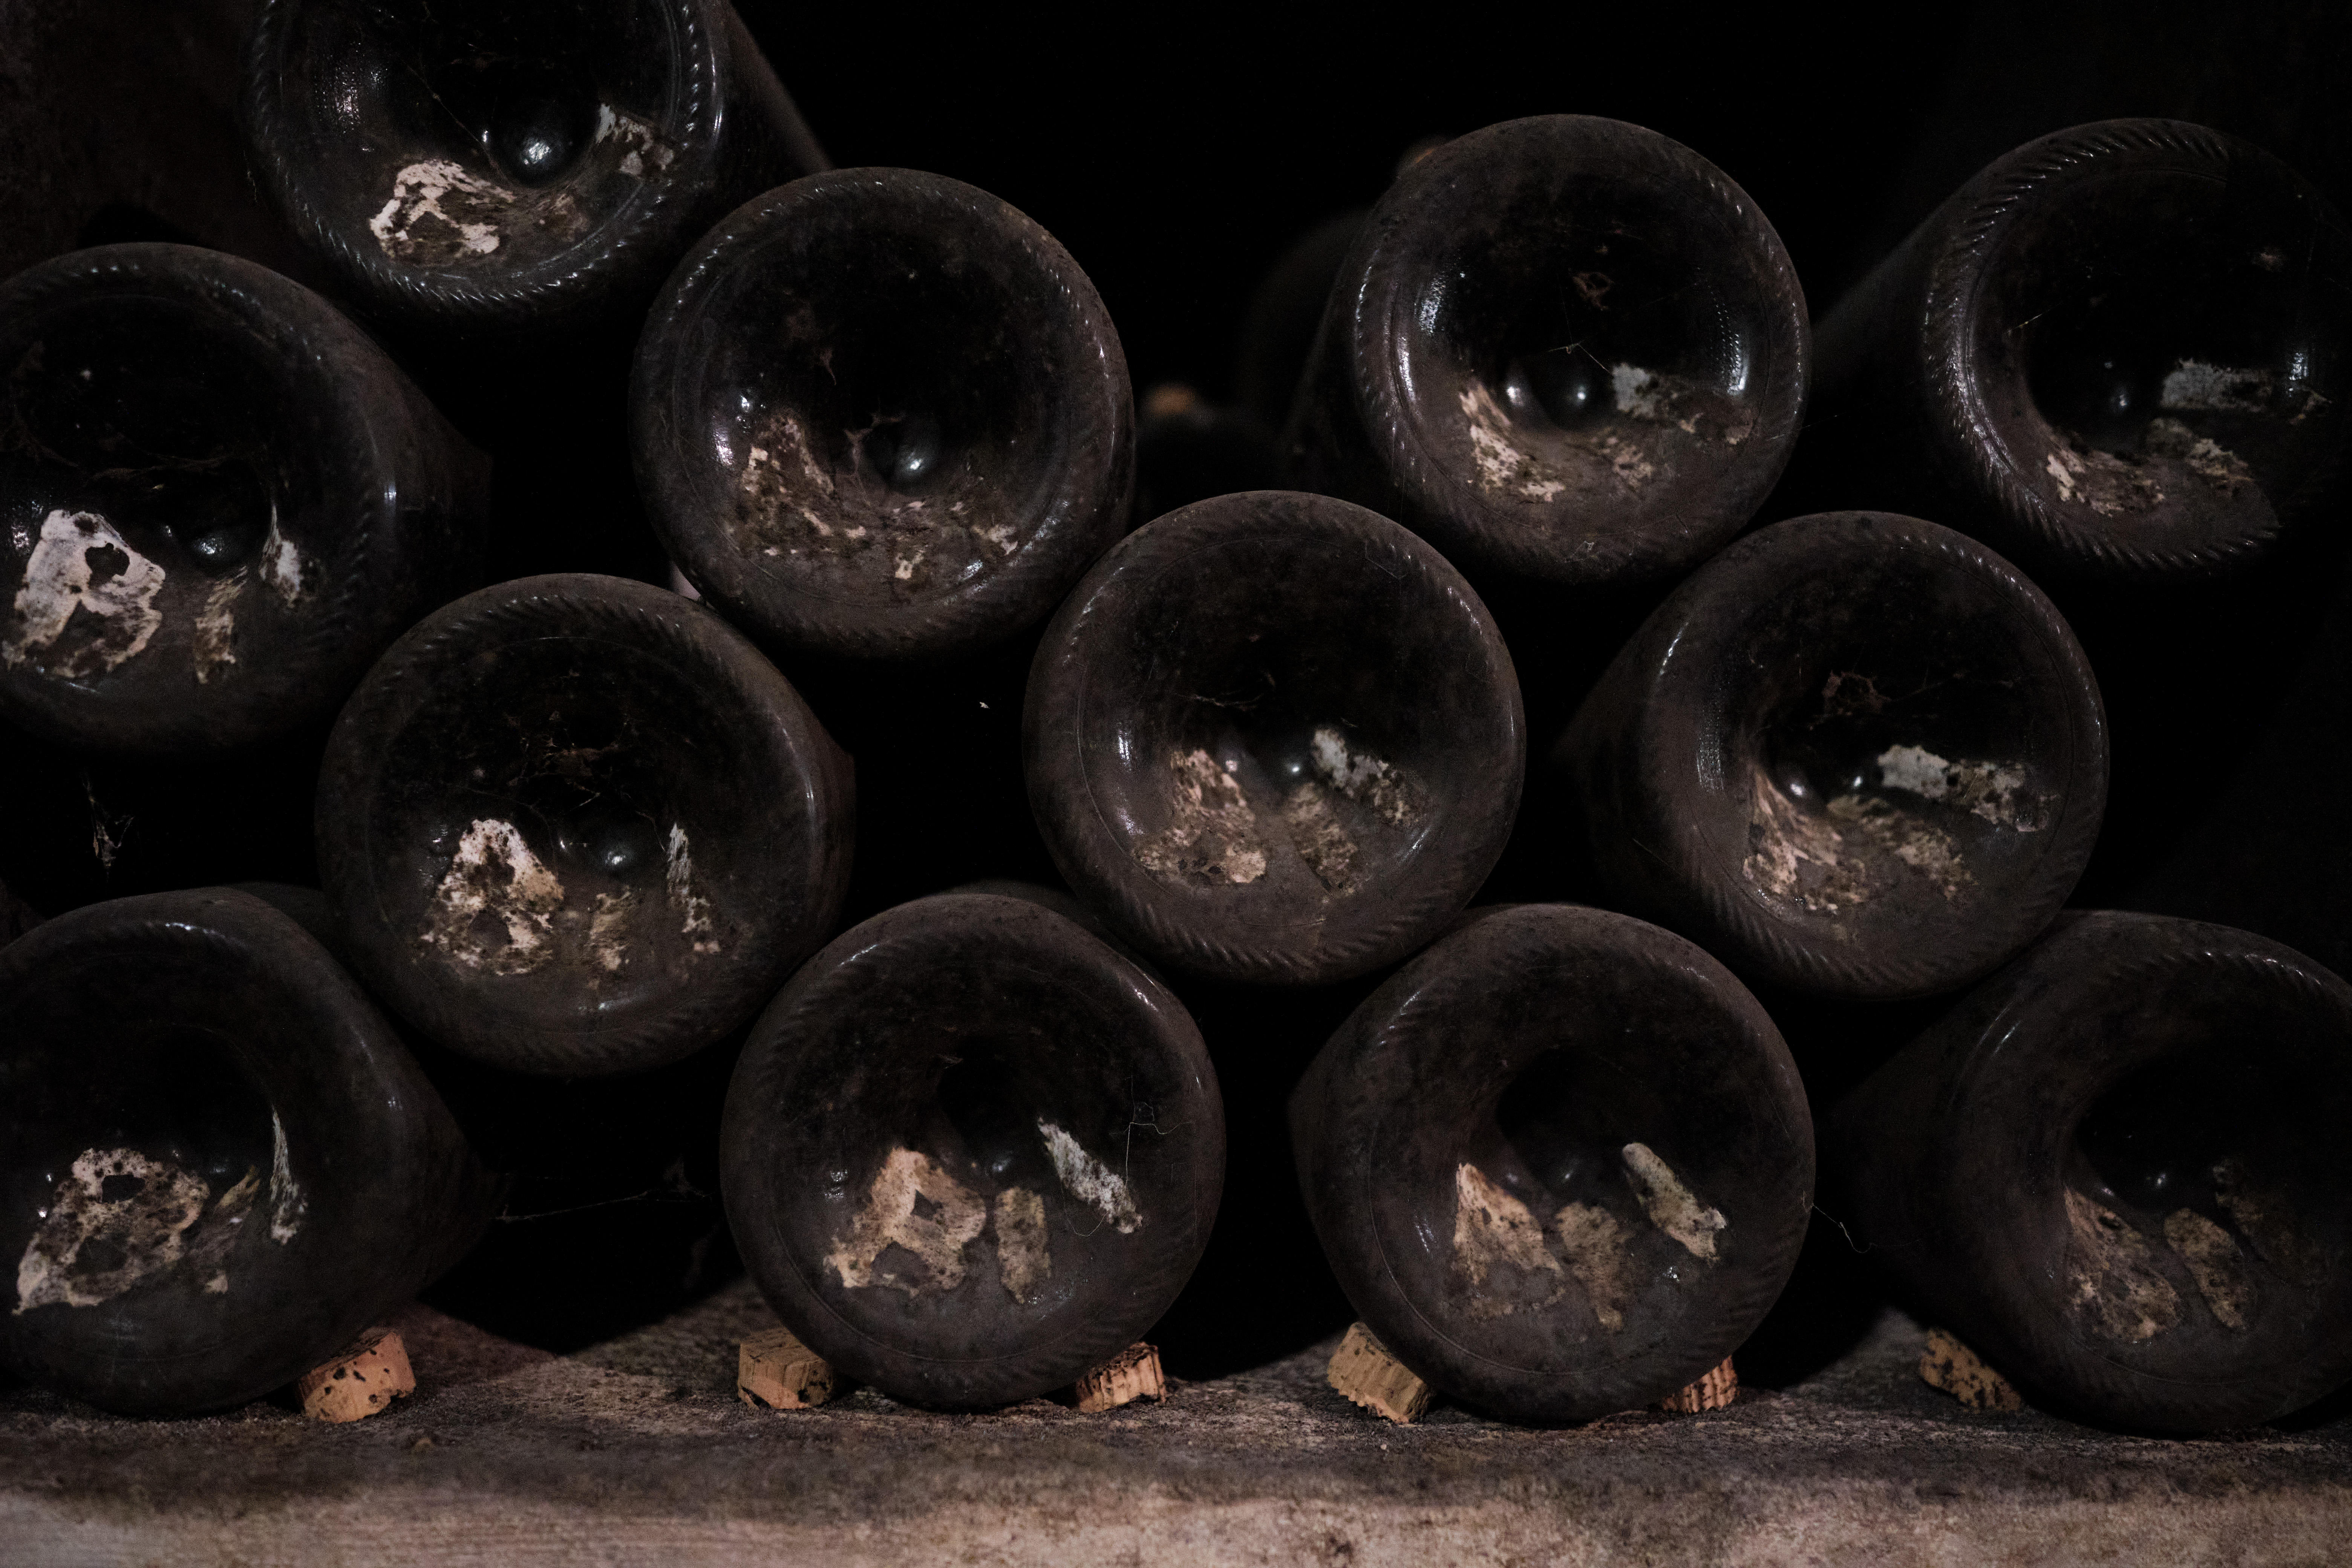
column 1855, row 753
column 2114, row 352
column 2117, row 1170
column 219, row 501
column 881, row 414
column 519, row 166
column 1274, row 737
column 576, row 825
column 1561, row 1163
column 1562, row 348
column 971, row 1152
column 217, row 1163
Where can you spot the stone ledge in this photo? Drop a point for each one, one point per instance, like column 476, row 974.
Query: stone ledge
column 639, row 1450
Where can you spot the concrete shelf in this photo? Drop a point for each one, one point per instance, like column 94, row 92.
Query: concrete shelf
column 638, row 1450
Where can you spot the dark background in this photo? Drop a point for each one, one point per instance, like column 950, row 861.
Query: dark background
column 1177, row 154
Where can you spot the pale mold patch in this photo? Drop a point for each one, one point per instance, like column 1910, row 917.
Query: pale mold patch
column 1023, row 1263
column 2111, row 1275
column 934, row 1241
column 2214, row 1263
column 1502, row 466
column 1989, row 790
column 1362, row 777
column 281, row 564
column 1595, row 1244
column 607, row 928
column 143, row 1231
column 2192, row 384
column 692, row 908
column 2205, row 458
column 1004, row 535
column 415, row 226
column 1316, row 833
column 1090, row 1181
column 1493, row 1230
column 1671, row 1206
column 494, row 874
column 1212, row 834
column 288, row 1202
column 642, row 144
column 116, row 613
column 216, row 635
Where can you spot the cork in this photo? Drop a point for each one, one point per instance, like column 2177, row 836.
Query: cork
column 1363, row 1370
column 1132, row 1374
column 1713, row 1391
column 773, row 1371
column 1950, row 1365
column 369, row 1374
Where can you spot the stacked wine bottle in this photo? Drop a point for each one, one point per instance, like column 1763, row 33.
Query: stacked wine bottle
column 443, row 836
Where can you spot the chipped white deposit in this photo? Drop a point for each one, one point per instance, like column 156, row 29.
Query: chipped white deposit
column 1023, row 1261
column 1493, row 1229
column 1211, row 833
column 145, row 1229
column 2215, row 1263
column 216, row 640
column 2194, row 384
column 642, row 142
column 494, row 873
column 2117, row 1288
column 1671, row 1206
column 693, row 909
column 415, row 225
column 288, row 1203
column 1989, row 790
column 281, row 564
column 935, row 1240
column 607, row 928
column 1090, row 1181
column 63, row 576
column 1502, row 466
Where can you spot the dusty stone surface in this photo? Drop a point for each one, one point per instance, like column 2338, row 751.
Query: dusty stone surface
column 639, row 1450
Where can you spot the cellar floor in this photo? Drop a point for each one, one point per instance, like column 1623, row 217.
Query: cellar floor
column 638, row 1450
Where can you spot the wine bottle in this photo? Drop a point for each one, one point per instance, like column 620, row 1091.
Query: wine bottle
column 219, row 1162
column 1856, row 753
column 879, row 414
column 221, row 501
column 2113, row 354
column 1561, row 1163
column 1274, row 737
column 578, row 826
column 1563, row 348
column 971, row 1152
column 2115, row 1169
column 527, row 170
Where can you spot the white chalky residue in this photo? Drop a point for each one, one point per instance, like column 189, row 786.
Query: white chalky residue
column 58, row 581
column 1024, row 1258
column 1989, row 790
column 693, row 909
column 149, row 1228
column 907, row 564
column 494, row 872
column 889, row 1219
column 2194, row 384
column 1090, row 1181
column 1361, row 777
column 281, row 564
column 1492, row 1229
column 645, row 142
column 1501, row 465
column 416, row 193
column 288, row 1203
column 607, row 926
column 1637, row 392
column 1004, row 535
column 216, row 640
column 1671, row 1206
